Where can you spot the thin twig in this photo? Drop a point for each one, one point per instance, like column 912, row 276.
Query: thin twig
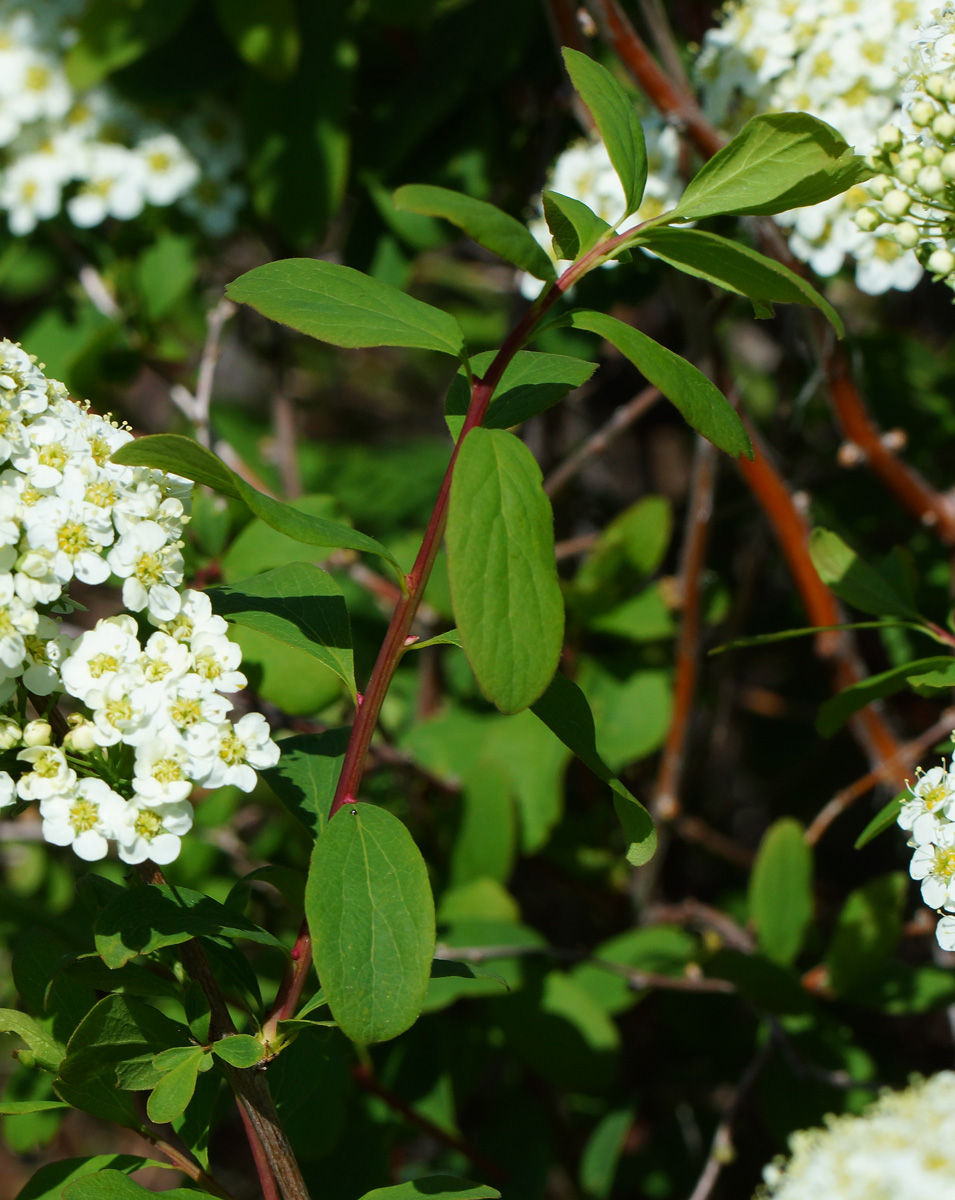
column 696, row 915
column 666, row 801
column 185, row 1163
column 721, row 1149
column 904, row 757
column 600, row 439
column 365, row 1079
column 286, row 445
column 693, row 829
column 662, row 32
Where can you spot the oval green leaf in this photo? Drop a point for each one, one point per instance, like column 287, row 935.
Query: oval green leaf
column 780, row 891
column 501, row 568
column 834, row 713
column 853, row 580
column 341, row 305
column 182, row 456
column 735, row 268
column 574, row 227
column 170, row 1097
column 239, row 1050
column 702, row 404
column 616, row 120
column 371, row 914
column 487, row 225
column 114, row 1185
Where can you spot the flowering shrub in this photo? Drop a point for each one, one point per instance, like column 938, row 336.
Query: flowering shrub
column 927, row 814
column 913, row 196
column 149, row 718
column 901, row 1147
column 90, row 152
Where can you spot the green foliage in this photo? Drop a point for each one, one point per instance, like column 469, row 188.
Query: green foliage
column 340, row 305
column 50, row 1182
column 866, row 932
column 884, row 819
column 616, row 121
column 266, row 36
column 447, row 1186
column 500, row 538
column 776, row 162
column 369, row 907
column 305, row 776
column 575, row 228
column 108, row 1184
column 840, row 707
column 487, row 225
column 703, row 406
column 780, row 891
column 853, row 580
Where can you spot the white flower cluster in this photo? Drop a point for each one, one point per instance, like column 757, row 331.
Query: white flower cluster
column 842, row 61
column 912, row 199
column 928, row 815
column 150, row 718
column 584, row 172
column 90, row 152
column 901, row 1148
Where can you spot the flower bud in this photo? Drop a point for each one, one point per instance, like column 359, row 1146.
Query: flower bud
column 948, row 92
column 935, row 86
column 37, row 733
column 933, row 155
column 941, row 262
column 906, row 235
column 923, row 113
column 947, row 165
column 878, row 185
column 889, row 137
column 81, row 739
column 931, row 181
column 908, row 170
column 10, row 733
column 896, row 202
column 867, row 219
column 944, row 127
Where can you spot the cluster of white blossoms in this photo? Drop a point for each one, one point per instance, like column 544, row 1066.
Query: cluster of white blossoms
column 912, row 199
column 901, row 1148
column 149, row 717
column 928, row 815
column 91, row 153
column 843, row 61
column 584, row 172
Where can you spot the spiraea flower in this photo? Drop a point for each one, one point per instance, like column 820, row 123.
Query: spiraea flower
column 928, row 815
column 150, row 715
column 901, row 1148
column 911, row 201
column 842, row 61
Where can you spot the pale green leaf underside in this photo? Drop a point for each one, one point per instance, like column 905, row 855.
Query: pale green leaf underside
column 371, row 914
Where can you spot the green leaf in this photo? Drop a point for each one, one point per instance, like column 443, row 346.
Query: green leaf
column 501, row 568
column 835, row 711
column 306, row 775
column 575, row 227
column 702, row 404
column 565, row 711
column 165, row 272
column 341, row 305
column 182, row 456
column 485, row 224
column 450, row 638
column 298, row 604
column 122, row 1036
column 370, row 910
column 452, row 981
column 170, row 1097
column 265, row 35
column 17, row 1108
column 884, row 819
column 776, row 162
column 598, row 1163
column 866, row 933
column 853, row 580
column 531, row 384
column 929, row 682
column 114, row 33
column 783, row 635
column 616, row 121
column 48, row 1183
column 780, row 891
column 240, row 1050
column 114, row 1185
column 46, row 1050
column 147, row 918
column 736, row 268
column 448, row 1187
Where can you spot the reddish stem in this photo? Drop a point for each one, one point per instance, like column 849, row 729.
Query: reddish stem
column 270, row 1190
column 292, row 985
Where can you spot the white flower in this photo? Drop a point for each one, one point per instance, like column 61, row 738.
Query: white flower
column 241, row 747
column 97, row 656
column 194, row 618
column 114, row 185
column 162, row 773
column 930, row 799
column 901, row 1148
column 125, row 710
column 31, row 191
column 215, row 658
column 84, row 817
column 169, row 169
column 51, row 774
column 151, row 568
column 151, row 831
column 8, row 790
column 934, row 864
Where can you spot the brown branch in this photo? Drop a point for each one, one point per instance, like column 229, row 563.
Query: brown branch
column 666, row 801
column 600, row 439
column 365, row 1079
column 693, row 829
column 904, row 757
column 701, row 916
